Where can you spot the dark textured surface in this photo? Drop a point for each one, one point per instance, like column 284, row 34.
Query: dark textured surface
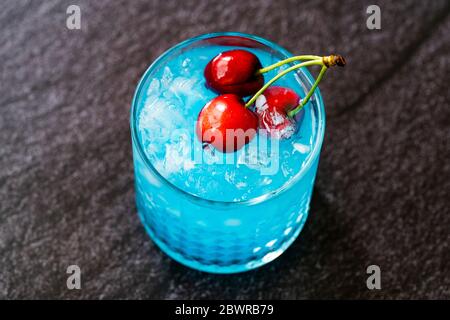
column 66, row 181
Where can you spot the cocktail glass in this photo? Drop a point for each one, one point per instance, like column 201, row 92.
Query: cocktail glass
column 221, row 236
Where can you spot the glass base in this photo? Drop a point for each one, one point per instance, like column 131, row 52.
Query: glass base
column 235, row 268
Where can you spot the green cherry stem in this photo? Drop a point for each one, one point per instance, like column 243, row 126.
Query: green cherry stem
column 285, row 61
column 304, row 101
column 281, row 74
column 327, row 61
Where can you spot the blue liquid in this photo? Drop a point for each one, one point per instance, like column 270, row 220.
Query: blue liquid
column 219, row 212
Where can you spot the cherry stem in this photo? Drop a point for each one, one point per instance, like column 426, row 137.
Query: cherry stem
column 285, row 61
column 304, row 101
column 281, row 74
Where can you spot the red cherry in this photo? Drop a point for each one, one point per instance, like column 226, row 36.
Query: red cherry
column 225, row 123
column 272, row 108
column 234, row 71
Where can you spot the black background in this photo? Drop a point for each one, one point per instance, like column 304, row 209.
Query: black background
column 66, row 179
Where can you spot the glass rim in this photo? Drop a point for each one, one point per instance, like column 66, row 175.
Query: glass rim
column 317, row 143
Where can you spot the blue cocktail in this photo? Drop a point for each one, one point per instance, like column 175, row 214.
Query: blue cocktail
column 213, row 211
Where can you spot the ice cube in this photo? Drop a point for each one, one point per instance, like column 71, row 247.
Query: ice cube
column 153, row 88
column 186, row 66
column 186, row 92
column 177, row 156
column 287, row 131
column 266, row 181
column 184, row 88
column 302, row 148
column 261, row 104
column 254, row 157
column 229, row 176
column 167, row 77
column 158, row 119
column 278, row 125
